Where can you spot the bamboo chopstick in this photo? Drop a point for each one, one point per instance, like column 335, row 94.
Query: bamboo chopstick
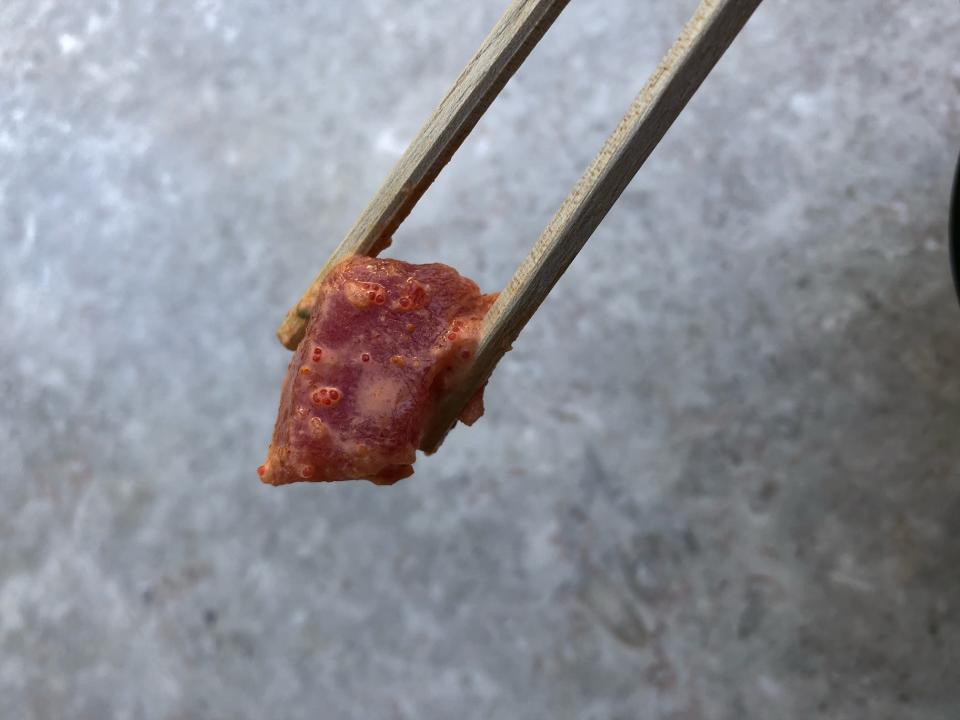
column 516, row 33
column 704, row 39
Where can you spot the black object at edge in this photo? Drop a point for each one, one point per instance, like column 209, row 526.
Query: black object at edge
column 955, row 231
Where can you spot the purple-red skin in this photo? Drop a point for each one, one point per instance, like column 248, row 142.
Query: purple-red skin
column 385, row 339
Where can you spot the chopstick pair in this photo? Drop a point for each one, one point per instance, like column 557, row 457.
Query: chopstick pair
column 704, row 39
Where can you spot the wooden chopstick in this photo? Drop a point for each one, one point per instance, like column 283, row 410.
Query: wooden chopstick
column 516, row 33
column 704, row 39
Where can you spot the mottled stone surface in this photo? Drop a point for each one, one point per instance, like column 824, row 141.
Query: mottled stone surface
column 718, row 478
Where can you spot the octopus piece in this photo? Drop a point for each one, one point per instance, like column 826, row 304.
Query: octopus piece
column 385, row 340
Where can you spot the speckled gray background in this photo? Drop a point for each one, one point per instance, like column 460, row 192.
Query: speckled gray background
column 718, row 478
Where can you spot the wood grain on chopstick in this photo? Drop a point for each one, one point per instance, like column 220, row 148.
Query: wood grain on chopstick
column 513, row 37
column 703, row 41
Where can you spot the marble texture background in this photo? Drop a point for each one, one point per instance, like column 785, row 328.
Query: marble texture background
column 718, row 478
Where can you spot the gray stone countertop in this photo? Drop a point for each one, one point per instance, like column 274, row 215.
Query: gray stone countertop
column 718, row 477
